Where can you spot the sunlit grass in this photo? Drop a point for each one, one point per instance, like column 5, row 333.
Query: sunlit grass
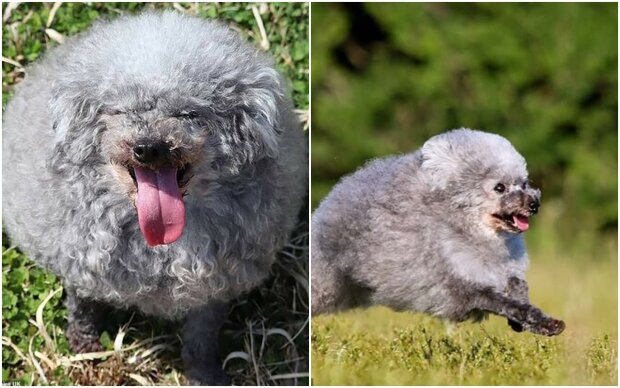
column 381, row 347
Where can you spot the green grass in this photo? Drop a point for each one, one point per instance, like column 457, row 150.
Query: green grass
column 381, row 347
column 265, row 338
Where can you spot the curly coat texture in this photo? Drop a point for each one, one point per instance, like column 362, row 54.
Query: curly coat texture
column 68, row 199
column 431, row 231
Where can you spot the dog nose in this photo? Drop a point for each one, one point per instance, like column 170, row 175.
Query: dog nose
column 533, row 205
column 150, row 152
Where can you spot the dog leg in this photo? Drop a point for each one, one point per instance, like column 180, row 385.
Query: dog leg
column 201, row 352
column 530, row 318
column 517, row 289
column 84, row 320
column 327, row 294
column 330, row 290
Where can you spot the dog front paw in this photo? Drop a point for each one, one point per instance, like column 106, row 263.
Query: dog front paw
column 82, row 339
column 551, row 327
column 547, row 326
column 537, row 322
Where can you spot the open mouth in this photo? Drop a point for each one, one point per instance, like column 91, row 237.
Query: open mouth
column 159, row 202
column 514, row 222
column 183, row 176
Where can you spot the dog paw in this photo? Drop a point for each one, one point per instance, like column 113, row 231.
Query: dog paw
column 553, row 327
column 211, row 377
column 548, row 327
column 82, row 340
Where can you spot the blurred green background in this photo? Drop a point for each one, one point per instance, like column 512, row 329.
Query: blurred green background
column 386, row 77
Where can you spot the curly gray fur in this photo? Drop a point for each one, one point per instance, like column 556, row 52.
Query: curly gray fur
column 431, row 232
column 68, row 199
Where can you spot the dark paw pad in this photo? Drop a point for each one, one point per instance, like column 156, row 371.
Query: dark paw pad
column 207, row 377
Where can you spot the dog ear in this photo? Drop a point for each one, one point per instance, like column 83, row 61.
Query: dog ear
column 75, row 125
column 248, row 128
column 440, row 160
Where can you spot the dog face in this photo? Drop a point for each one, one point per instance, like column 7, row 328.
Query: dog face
column 482, row 179
column 153, row 152
column 511, row 204
column 157, row 146
column 183, row 112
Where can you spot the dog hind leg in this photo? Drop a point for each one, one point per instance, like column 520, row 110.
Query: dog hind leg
column 331, row 291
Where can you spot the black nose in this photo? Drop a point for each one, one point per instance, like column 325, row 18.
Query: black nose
column 533, row 205
column 151, row 152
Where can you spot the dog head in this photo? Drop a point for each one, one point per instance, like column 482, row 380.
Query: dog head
column 482, row 179
column 185, row 100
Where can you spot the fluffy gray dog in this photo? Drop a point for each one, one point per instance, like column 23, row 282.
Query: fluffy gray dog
column 437, row 231
column 154, row 162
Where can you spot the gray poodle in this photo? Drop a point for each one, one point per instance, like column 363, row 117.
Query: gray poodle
column 436, row 231
column 154, row 162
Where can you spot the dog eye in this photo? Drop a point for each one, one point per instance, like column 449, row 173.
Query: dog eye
column 186, row 115
column 113, row 111
column 499, row 188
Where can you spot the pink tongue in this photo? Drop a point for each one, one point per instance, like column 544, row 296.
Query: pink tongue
column 161, row 212
column 522, row 222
